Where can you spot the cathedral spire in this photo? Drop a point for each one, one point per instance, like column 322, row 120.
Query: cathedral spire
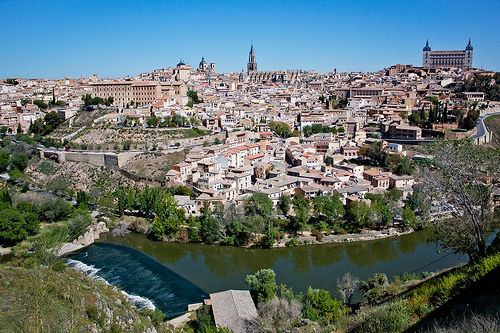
column 252, row 63
column 427, row 47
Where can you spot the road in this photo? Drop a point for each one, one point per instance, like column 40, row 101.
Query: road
column 481, row 127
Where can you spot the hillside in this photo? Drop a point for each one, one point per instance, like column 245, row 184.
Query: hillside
column 61, row 299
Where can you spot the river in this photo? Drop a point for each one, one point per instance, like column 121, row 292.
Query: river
column 172, row 275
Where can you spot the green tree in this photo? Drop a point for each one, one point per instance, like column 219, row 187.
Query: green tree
column 13, row 228
column 281, row 129
column 168, row 217
column 302, row 208
column 329, row 208
column 358, row 215
column 4, row 161
column 82, row 199
column 409, row 218
column 52, row 121
column 19, row 161
column 209, row 230
column 285, row 203
column 262, row 285
column 258, row 204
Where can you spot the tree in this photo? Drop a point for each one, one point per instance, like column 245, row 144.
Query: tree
column 168, row 217
column 209, row 230
column 465, row 175
column 329, row 207
column 82, row 199
column 358, row 215
column 281, row 129
column 409, row 218
column 262, row 285
column 12, row 227
column 52, row 121
column 259, row 204
column 284, row 204
column 4, row 161
column 302, row 209
column 374, row 287
column 347, row 286
column 19, row 161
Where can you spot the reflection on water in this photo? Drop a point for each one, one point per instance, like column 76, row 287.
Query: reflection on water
column 216, row 268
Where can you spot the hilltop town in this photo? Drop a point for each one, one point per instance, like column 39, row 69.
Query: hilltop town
column 229, row 136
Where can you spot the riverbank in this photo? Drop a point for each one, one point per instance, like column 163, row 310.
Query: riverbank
column 307, row 238
column 140, row 226
column 90, row 236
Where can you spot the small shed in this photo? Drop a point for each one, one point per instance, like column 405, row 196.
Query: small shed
column 234, row 309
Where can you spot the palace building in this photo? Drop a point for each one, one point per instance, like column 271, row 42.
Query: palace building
column 437, row 59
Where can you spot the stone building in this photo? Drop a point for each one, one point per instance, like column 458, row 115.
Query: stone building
column 437, row 59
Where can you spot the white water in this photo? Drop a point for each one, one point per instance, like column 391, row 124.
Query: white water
column 140, row 302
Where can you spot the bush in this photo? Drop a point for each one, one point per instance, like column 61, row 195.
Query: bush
column 78, row 225
column 318, row 234
column 292, row 242
column 279, row 314
column 319, row 304
column 374, row 287
column 204, row 320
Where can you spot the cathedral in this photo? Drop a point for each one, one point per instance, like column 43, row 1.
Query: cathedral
column 436, row 59
column 252, row 75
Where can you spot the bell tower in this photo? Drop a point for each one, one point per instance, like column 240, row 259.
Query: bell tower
column 252, row 63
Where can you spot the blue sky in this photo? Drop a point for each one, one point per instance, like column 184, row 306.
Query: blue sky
column 77, row 38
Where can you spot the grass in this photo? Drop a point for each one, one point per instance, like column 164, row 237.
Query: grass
column 414, row 305
column 42, row 299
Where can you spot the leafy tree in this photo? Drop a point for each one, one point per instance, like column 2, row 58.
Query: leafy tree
column 259, row 204
column 152, row 121
column 41, row 104
column 4, row 161
column 209, row 230
column 358, row 215
column 262, row 285
column 409, row 218
column 376, row 153
column 19, row 161
column 465, row 175
column 329, row 208
column 82, row 199
column 13, row 228
column 285, row 203
column 281, row 129
column 168, row 217
column 302, row 209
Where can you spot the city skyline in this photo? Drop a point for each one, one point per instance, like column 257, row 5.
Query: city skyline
column 56, row 40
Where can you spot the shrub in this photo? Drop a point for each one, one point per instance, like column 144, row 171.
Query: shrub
column 292, row 242
column 280, row 314
column 318, row 234
column 374, row 287
column 319, row 304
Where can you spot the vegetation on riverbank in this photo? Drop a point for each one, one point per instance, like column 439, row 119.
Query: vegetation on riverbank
column 41, row 298
column 398, row 306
